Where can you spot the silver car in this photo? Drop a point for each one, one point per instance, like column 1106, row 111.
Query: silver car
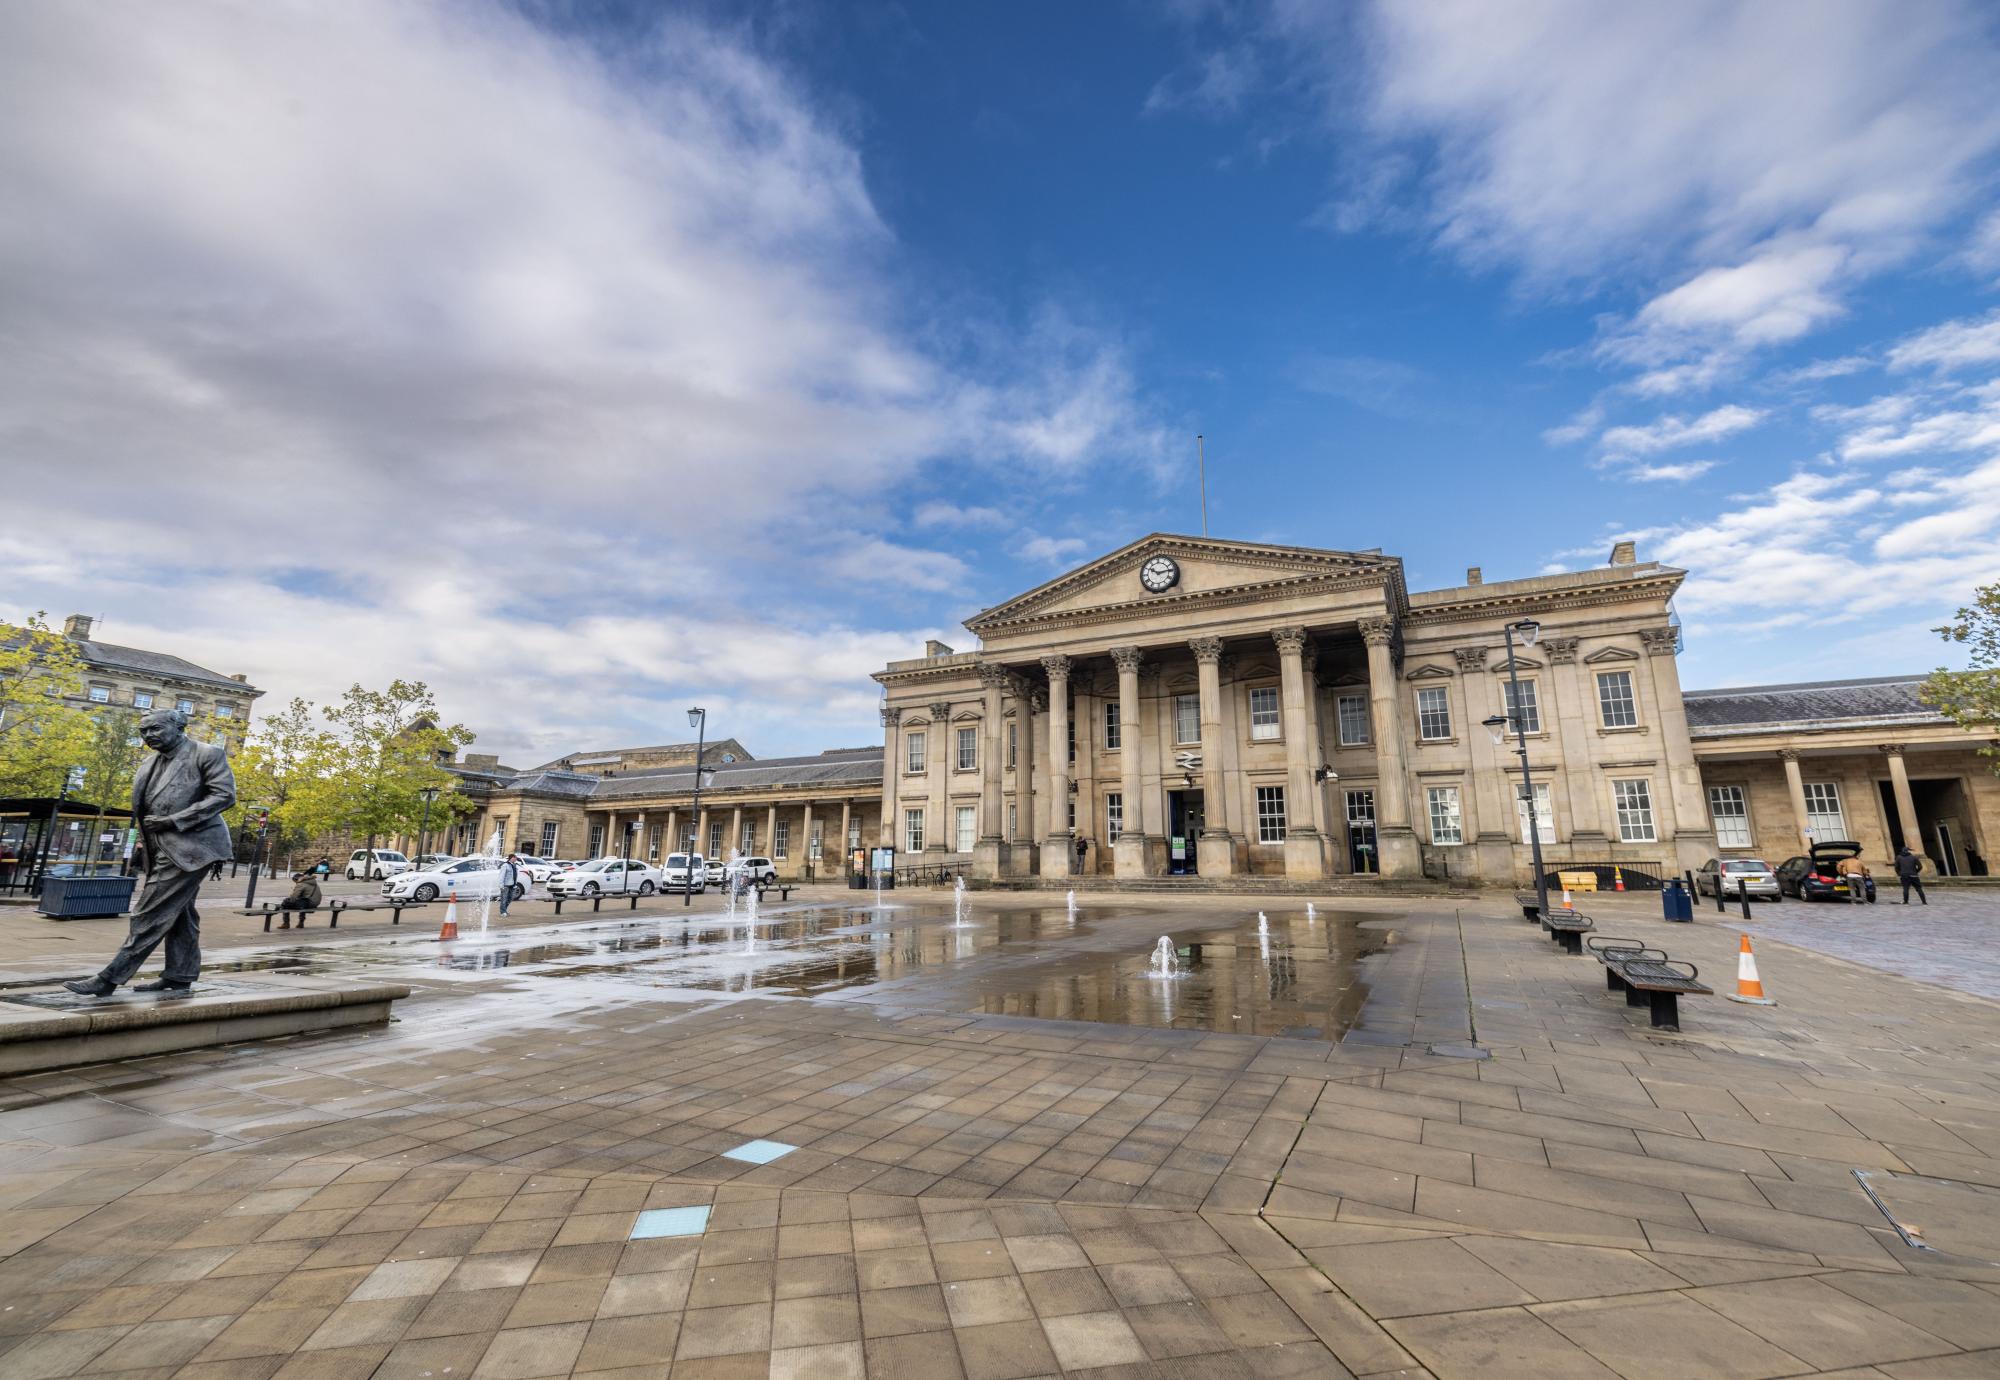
column 1730, row 876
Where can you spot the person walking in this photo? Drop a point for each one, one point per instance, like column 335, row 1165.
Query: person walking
column 1909, row 870
column 510, row 877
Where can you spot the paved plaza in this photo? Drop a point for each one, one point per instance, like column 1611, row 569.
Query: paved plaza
column 1388, row 1137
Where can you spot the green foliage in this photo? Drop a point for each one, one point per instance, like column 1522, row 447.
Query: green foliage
column 42, row 733
column 387, row 749
column 286, row 767
column 110, row 759
column 1971, row 698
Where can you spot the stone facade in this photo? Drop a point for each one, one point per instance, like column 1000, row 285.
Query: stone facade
column 219, row 706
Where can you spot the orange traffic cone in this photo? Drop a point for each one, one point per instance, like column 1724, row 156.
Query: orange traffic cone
column 1567, row 903
column 450, row 928
column 1617, row 879
column 1749, row 990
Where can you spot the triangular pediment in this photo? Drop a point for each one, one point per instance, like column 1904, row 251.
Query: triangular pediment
column 1206, row 570
column 1609, row 654
column 1429, row 673
column 1519, row 663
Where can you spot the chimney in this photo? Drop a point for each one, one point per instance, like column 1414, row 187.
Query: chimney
column 931, row 648
column 1625, row 553
column 1473, row 575
column 77, row 625
column 482, row 761
column 240, row 678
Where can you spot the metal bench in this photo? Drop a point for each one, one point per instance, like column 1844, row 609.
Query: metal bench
column 1531, row 904
column 1568, row 928
column 1611, row 952
column 1655, row 982
column 784, row 890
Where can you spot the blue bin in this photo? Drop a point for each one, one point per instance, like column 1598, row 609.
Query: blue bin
column 86, row 898
column 1675, row 902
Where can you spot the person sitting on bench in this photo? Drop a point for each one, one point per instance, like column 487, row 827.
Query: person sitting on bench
column 305, row 893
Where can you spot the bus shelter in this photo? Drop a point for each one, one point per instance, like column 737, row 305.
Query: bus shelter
column 59, row 837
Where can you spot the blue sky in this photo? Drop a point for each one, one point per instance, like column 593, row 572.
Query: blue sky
column 591, row 360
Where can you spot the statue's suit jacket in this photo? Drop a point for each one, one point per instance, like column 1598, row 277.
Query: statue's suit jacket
column 195, row 784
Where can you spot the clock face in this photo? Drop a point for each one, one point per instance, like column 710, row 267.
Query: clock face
column 1159, row 574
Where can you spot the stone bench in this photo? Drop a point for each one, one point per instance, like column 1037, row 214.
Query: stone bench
column 55, row 1029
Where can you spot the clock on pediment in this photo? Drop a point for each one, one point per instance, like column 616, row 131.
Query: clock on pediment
column 1160, row 574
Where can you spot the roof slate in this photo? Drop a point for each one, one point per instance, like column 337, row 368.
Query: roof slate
column 1810, row 702
column 155, row 664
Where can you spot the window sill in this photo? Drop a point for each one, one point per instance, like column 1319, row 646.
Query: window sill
column 1604, row 732
column 1437, row 742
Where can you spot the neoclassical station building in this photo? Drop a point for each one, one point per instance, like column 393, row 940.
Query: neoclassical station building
column 1198, row 708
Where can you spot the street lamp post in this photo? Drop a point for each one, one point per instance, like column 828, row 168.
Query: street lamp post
column 1529, row 630
column 698, row 721
column 430, row 795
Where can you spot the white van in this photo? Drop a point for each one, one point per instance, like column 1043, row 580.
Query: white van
column 368, row 865
column 680, row 870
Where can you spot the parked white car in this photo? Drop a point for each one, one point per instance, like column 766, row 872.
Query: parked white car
column 539, row 870
column 679, row 873
column 756, row 871
column 718, row 871
column 607, row 877
column 468, row 879
column 372, row 865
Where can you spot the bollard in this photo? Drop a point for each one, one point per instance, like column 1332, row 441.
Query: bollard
column 634, row 905
column 395, row 914
column 596, row 903
column 559, row 901
column 1718, row 893
column 1743, row 894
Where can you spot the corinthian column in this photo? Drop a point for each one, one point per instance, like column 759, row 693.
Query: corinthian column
column 989, row 851
column 1395, row 842
column 1129, row 852
column 885, row 832
column 1215, row 850
column 1055, row 848
column 1304, row 856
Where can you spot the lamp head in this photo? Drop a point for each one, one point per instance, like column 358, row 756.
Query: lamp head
column 1497, row 726
column 696, row 716
column 1527, row 630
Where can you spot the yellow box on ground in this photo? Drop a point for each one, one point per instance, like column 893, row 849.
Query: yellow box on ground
column 1578, row 881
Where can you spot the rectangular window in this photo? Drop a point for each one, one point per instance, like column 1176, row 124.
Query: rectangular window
column 548, row 838
column 913, row 757
column 913, row 831
column 1545, row 812
column 817, row 844
column 1525, row 706
column 653, row 843
column 968, row 748
column 1070, row 724
column 967, row 821
column 185, row 706
column 1823, row 815
column 1730, row 813
column 1353, row 720
column 1072, row 814
column 748, row 842
column 1270, row 814
column 1445, row 826
column 1010, row 745
column 1114, row 731
column 597, row 840
column 1187, row 719
column 853, row 832
column 225, row 711
column 1013, row 822
column 1614, row 699
column 1634, row 800
column 1114, row 816
column 781, row 839
column 141, row 700
column 715, row 839
column 1264, row 712
column 1361, row 808
column 1434, row 714
column 100, row 694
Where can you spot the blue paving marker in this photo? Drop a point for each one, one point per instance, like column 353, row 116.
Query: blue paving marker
column 759, row 1151
column 684, row 1221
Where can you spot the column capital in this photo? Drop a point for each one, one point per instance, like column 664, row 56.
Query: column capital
column 1291, row 641
column 1127, row 658
column 1470, row 658
column 993, row 676
column 1659, row 641
column 941, row 710
column 1207, row 650
column 1788, row 754
column 891, row 716
column 1891, row 749
column 1561, row 650
column 1057, row 665
column 1376, row 632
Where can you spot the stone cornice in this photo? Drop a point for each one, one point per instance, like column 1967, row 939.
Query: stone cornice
column 1490, row 601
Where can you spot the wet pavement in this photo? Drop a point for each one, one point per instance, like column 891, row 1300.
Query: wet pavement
column 1399, row 1139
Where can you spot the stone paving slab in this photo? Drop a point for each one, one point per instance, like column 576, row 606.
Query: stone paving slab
column 986, row 1196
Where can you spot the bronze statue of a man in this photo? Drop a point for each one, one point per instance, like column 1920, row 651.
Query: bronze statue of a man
column 178, row 798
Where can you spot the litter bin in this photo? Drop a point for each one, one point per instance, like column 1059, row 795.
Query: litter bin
column 86, row 898
column 1676, row 903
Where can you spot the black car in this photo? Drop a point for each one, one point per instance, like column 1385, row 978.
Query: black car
column 1812, row 877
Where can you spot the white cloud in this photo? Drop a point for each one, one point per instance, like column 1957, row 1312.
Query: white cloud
column 1216, row 86
column 939, row 513
column 1669, row 432
column 1680, row 473
column 1952, row 345
column 1045, row 550
column 411, row 339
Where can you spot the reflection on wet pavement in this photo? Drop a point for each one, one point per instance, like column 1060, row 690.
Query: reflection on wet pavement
column 1302, row 977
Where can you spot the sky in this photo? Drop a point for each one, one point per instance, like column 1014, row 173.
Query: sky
column 592, row 361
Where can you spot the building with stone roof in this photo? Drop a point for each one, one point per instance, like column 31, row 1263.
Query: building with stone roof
column 1197, row 708
column 141, row 679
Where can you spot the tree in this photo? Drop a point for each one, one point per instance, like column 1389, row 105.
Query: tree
column 286, row 767
column 387, row 748
column 109, row 759
column 1971, row 698
column 43, row 733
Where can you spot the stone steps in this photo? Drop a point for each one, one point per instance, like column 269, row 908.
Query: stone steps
column 1247, row 886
